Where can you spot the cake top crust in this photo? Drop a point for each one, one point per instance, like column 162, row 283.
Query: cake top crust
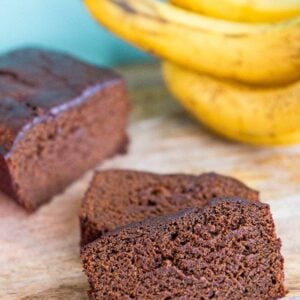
column 151, row 224
column 36, row 83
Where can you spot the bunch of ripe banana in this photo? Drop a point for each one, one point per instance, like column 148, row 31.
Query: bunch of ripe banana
column 234, row 64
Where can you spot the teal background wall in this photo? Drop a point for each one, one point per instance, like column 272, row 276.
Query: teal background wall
column 63, row 25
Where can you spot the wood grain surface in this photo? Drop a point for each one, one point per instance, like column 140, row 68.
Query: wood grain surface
column 39, row 253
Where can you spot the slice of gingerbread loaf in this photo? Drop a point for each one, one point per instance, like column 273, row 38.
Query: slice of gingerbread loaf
column 58, row 117
column 118, row 197
column 225, row 250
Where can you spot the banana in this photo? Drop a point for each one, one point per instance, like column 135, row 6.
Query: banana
column 256, row 115
column 253, row 53
column 244, row 10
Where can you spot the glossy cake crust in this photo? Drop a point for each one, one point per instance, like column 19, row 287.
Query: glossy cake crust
column 58, row 118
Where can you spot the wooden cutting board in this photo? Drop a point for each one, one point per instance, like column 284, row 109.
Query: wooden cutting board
column 39, row 253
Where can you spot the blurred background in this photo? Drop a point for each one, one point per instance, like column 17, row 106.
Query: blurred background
column 63, row 25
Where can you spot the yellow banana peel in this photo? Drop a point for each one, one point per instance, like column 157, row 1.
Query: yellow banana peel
column 256, row 115
column 263, row 54
column 244, row 11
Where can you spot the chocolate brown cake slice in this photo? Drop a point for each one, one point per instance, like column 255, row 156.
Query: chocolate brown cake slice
column 226, row 250
column 58, row 118
column 119, row 197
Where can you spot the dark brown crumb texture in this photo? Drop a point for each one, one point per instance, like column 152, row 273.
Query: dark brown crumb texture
column 119, row 197
column 226, row 250
column 58, row 118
